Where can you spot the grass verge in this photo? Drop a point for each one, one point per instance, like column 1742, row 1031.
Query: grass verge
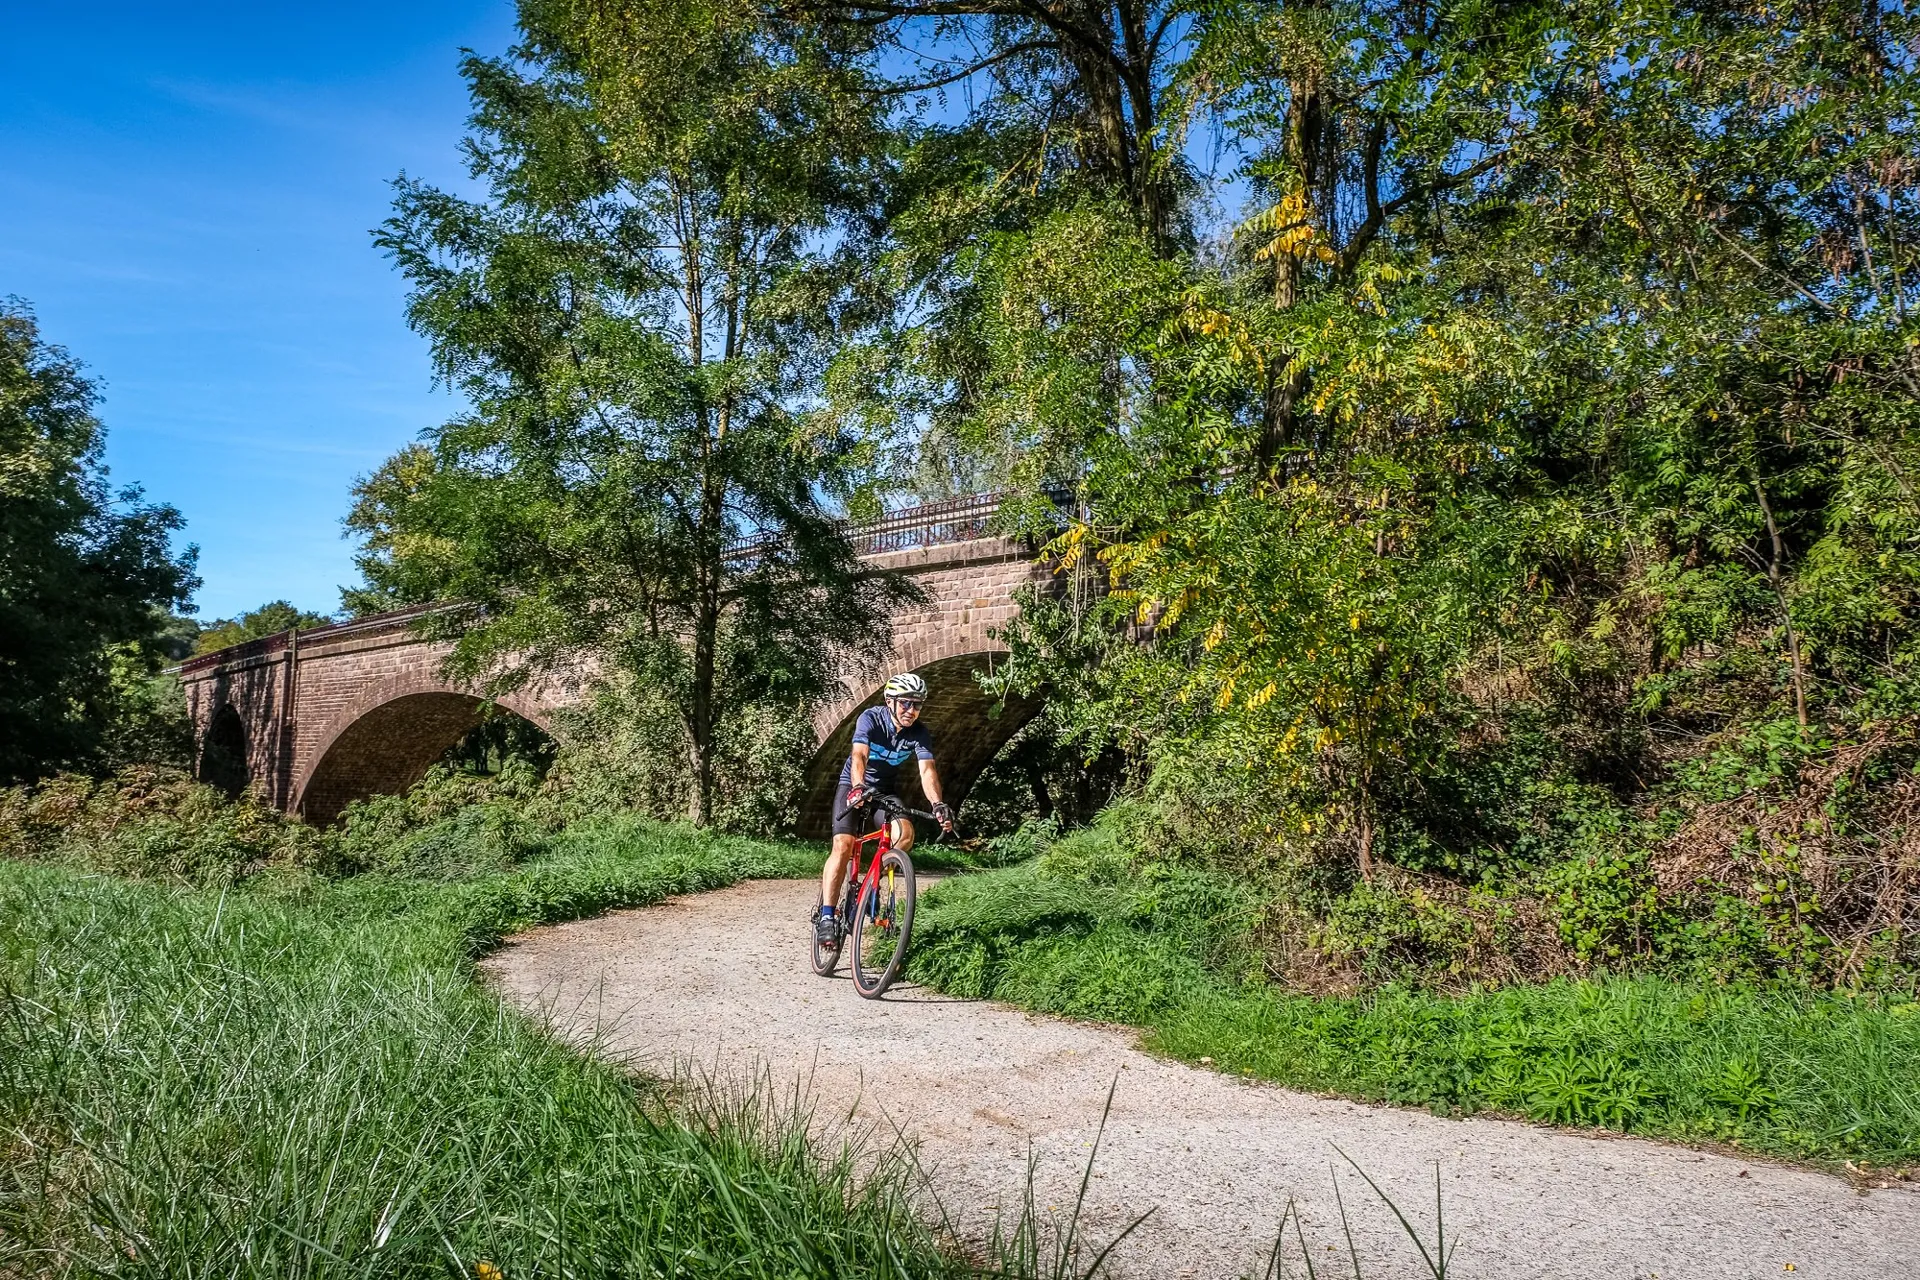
column 1797, row 1074
column 299, row 1077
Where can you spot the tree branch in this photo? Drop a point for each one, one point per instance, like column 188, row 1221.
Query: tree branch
column 1011, row 51
column 1378, row 214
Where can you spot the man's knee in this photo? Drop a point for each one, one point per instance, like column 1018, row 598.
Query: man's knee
column 902, row 836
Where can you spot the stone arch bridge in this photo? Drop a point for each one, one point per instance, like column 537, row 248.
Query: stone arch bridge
column 317, row 719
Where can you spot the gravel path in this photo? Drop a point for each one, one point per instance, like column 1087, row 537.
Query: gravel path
column 721, row 980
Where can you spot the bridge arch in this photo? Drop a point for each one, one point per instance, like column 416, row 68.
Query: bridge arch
column 224, row 752
column 387, row 738
column 969, row 727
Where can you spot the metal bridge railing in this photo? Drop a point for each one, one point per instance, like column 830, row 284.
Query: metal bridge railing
column 931, row 524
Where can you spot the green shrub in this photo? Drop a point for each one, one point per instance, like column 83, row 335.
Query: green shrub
column 160, row 824
column 624, row 750
column 154, row 823
column 1157, row 925
column 452, row 825
column 1797, row 1073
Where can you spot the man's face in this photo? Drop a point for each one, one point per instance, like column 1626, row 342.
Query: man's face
column 905, row 710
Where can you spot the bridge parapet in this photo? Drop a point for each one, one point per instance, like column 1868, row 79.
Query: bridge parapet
column 269, row 648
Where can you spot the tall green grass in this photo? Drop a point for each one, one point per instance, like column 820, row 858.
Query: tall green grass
column 302, row 1079
column 1788, row 1072
column 234, row 1065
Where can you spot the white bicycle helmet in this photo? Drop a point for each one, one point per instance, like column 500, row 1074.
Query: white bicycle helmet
column 907, row 685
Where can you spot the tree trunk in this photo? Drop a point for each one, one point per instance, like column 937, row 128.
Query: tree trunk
column 1305, row 134
column 706, row 636
column 1042, row 797
column 1776, row 580
column 1108, row 152
column 1363, row 811
column 709, row 535
column 701, row 717
column 1365, row 825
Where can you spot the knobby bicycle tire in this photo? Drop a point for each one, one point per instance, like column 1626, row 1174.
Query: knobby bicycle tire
column 883, row 925
column 827, row 958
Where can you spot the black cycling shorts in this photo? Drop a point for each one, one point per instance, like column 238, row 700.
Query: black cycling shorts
column 867, row 820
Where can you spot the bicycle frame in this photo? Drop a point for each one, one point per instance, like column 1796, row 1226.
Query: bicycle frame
column 855, row 882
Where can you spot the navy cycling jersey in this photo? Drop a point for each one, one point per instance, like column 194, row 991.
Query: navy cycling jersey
column 888, row 747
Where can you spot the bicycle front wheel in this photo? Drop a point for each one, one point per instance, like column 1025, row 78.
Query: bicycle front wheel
column 883, row 924
column 826, row 957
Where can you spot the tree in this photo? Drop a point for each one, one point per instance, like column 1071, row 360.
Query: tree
column 1749, row 179
column 1080, row 85
column 637, row 313
column 271, row 619
column 86, row 574
column 1353, row 121
column 1568, row 329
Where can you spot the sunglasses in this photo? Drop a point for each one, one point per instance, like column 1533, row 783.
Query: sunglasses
column 907, row 704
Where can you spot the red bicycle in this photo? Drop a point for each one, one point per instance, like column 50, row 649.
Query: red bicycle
column 876, row 906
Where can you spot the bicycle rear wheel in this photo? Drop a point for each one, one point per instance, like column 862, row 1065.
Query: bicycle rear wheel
column 883, row 924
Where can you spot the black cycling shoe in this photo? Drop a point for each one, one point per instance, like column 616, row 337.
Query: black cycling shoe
column 826, row 928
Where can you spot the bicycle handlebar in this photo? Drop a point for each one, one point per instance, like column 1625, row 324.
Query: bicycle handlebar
column 894, row 805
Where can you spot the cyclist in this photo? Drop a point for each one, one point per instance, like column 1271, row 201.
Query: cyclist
column 884, row 738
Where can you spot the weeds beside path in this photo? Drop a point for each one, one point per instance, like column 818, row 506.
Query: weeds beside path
column 1797, row 1074
column 299, row 1077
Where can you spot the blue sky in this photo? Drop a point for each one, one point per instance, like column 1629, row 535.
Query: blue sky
column 186, row 199
column 186, row 193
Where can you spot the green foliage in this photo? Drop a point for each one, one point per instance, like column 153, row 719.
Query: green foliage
column 636, row 310
column 276, row 617
column 154, row 823
column 624, row 748
column 451, row 825
column 150, row 723
column 157, row 824
column 86, row 573
column 149, row 1094
column 455, row 824
column 1039, row 776
column 1155, row 930
column 1787, row 1072
column 1533, row 457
